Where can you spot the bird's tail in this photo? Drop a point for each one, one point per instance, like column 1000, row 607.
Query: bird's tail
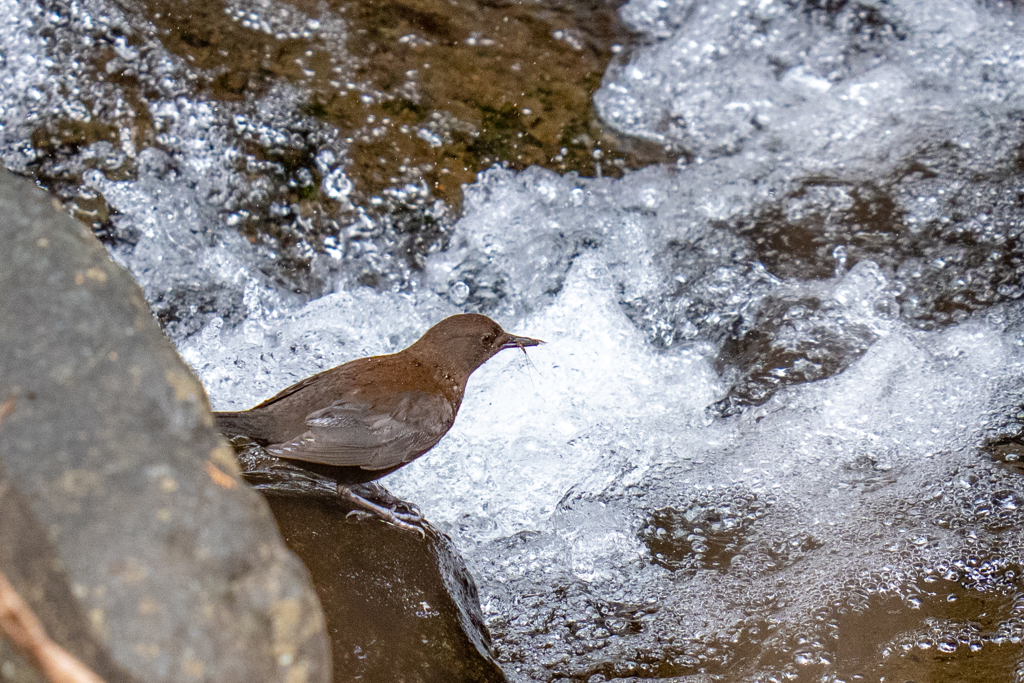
column 237, row 424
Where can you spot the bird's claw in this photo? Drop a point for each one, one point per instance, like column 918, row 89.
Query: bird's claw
column 359, row 515
column 413, row 516
column 408, row 521
column 393, row 519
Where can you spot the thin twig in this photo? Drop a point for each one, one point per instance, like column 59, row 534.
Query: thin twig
column 25, row 632
column 22, row 628
column 7, row 407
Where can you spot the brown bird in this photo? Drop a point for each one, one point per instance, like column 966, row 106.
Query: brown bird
column 366, row 418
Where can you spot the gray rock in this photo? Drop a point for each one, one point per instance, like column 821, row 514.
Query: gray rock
column 32, row 567
column 148, row 558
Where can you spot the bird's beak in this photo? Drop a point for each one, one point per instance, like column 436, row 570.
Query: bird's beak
column 514, row 342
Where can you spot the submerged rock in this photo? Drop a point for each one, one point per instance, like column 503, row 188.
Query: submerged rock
column 123, row 522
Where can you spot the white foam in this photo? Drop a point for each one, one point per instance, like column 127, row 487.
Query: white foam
column 592, row 402
column 856, row 87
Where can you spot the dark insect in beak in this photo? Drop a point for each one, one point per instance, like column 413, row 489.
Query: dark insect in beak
column 514, row 342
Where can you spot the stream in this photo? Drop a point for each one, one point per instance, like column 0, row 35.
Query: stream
column 775, row 248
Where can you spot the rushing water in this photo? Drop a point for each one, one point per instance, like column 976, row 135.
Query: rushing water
column 775, row 432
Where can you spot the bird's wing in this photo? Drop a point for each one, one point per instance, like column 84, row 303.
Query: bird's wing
column 352, row 432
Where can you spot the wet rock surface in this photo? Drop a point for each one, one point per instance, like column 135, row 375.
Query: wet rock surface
column 398, row 606
column 148, row 557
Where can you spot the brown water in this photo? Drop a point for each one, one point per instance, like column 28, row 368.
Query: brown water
column 506, row 82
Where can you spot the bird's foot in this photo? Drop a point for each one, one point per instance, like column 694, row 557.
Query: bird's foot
column 380, row 495
column 409, row 521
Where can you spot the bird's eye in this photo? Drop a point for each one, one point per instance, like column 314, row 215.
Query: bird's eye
column 487, row 339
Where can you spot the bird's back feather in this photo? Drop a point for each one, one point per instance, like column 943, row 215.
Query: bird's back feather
column 338, row 418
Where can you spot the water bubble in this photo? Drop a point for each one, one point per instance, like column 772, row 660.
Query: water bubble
column 429, row 137
column 336, row 185
column 458, row 293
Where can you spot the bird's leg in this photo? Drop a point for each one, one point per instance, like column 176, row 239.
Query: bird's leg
column 403, row 520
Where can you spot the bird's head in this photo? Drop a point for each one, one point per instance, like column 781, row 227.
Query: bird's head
column 462, row 343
